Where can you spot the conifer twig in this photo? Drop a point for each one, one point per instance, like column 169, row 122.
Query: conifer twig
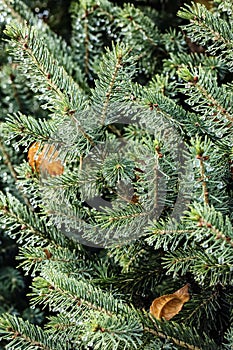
column 109, row 92
column 214, row 103
column 174, row 340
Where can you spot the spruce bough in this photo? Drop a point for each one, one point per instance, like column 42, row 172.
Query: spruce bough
column 140, row 117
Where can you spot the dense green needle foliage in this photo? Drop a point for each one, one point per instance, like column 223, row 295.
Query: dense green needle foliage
column 116, row 173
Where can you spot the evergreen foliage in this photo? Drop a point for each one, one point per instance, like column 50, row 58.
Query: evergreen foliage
column 135, row 105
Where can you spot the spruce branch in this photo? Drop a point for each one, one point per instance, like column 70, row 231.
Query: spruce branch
column 56, row 87
column 173, row 339
column 110, row 88
column 115, row 73
column 66, row 293
column 207, row 218
column 61, row 258
column 109, row 194
column 163, row 105
column 206, row 182
column 168, row 235
column 92, row 24
column 177, row 61
column 228, row 339
column 182, row 335
column 19, row 11
column 205, row 26
column 21, row 334
column 137, row 22
column 205, row 95
column 29, row 128
column 27, row 226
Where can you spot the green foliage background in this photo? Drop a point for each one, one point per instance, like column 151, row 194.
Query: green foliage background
column 56, row 293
